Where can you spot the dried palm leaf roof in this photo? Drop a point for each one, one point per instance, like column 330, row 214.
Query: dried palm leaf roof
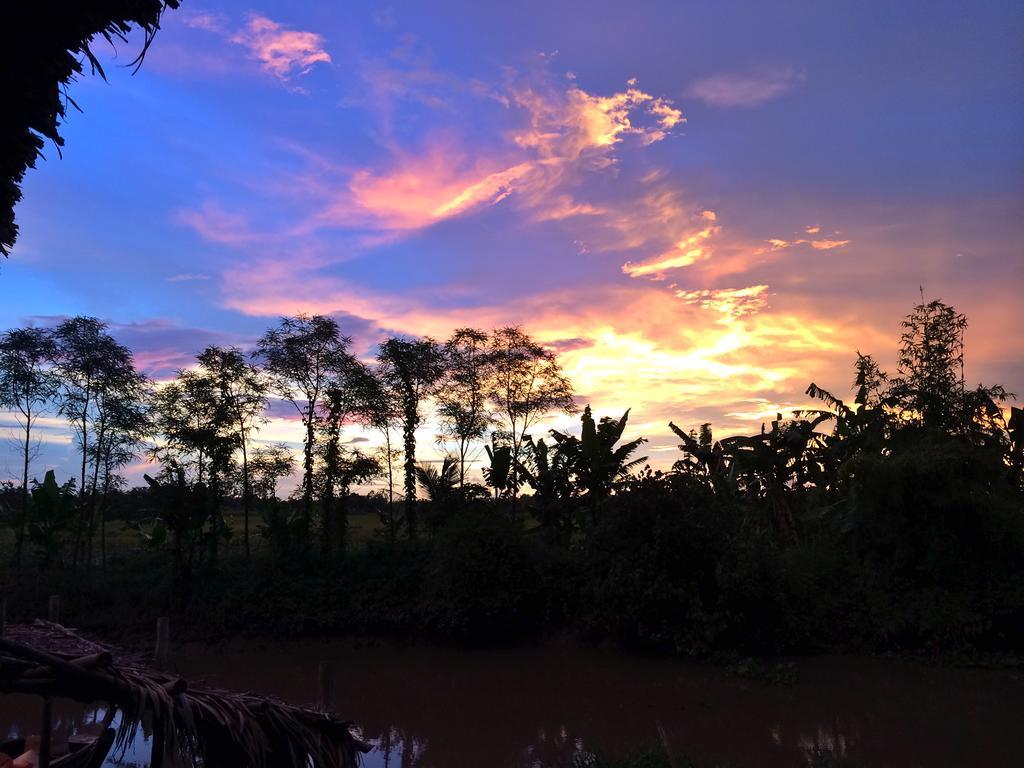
column 197, row 724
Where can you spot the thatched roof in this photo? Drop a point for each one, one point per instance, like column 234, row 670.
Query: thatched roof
column 222, row 729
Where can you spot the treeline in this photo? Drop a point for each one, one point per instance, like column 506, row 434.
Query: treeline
column 200, row 426
column 893, row 519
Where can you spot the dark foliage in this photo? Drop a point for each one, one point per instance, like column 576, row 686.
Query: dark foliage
column 46, row 45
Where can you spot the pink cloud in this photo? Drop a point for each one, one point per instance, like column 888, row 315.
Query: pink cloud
column 284, row 53
column 568, row 132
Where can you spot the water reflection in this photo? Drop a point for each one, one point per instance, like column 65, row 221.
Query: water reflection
column 19, row 719
column 538, row 707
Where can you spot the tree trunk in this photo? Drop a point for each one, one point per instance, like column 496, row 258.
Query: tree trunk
column 91, row 530
column 409, row 439
column 463, row 444
column 81, row 488
column 343, row 521
column 103, row 517
column 307, row 480
column 391, row 488
column 328, row 512
column 23, row 522
column 245, row 494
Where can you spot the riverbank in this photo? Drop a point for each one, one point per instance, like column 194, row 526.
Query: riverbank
column 516, row 590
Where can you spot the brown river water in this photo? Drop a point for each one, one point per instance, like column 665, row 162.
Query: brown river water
column 535, row 707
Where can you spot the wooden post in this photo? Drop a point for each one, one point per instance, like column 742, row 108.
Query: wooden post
column 46, row 734
column 163, row 646
column 325, row 686
column 55, row 609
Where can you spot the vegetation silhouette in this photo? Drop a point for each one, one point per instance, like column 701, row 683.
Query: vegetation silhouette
column 46, row 47
column 893, row 521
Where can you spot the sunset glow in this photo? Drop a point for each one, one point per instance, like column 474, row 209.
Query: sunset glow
column 700, row 213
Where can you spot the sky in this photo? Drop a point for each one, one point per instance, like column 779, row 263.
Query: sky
column 702, row 206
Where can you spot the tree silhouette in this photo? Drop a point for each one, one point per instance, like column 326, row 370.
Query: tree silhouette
column 303, row 355
column 348, row 396
column 120, row 423
column 27, row 384
column 462, row 396
column 45, row 48
column 929, row 388
column 270, row 463
column 384, row 413
column 526, row 384
column 92, row 366
column 199, row 433
column 242, row 389
column 412, row 368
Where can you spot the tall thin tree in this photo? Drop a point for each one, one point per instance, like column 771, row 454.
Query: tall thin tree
column 28, row 385
column 242, row 389
column 462, row 413
column 412, row 367
column 302, row 355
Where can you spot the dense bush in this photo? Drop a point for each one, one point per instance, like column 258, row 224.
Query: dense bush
column 481, row 580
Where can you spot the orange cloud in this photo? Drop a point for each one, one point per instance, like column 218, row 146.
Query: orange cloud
column 824, row 244
column 828, row 245
column 730, row 302
column 689, row 250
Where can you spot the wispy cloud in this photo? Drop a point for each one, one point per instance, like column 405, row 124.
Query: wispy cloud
column 217, row 225
column 730, row 302
column 567, row 131
column 284, row 53
column 746, row 89
column 690, row 249
column 818, row 244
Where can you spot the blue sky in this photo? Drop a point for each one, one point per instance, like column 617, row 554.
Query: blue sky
column 705, row 205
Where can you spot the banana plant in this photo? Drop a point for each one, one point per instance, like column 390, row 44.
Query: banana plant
column 183, row 512
column 597, row 462
column 498, row 473
column 705, row 459
column 778, row 464
column 547, row 471
column 53, row 512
